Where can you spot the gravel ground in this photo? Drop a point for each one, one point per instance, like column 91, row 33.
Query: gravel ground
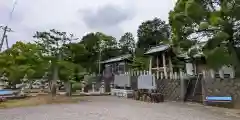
column 112, row 108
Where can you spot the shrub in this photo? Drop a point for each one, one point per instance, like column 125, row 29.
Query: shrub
column 76, row 86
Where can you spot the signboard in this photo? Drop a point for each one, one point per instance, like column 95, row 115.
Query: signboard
column 146, row 82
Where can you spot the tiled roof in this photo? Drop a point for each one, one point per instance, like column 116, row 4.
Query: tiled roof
column 156, row 49
column 198, row 46
column 117, row 59
column 183, row 55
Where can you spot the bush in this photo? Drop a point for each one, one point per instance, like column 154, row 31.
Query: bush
column 76, row 86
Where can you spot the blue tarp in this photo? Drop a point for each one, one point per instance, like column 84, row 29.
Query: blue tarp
column 6, row 92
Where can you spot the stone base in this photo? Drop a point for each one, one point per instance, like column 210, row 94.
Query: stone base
column 102, row 90
column 148, row 97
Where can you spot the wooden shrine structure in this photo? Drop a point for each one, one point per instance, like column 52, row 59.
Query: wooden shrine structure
column 117, row 65
column 161, row 60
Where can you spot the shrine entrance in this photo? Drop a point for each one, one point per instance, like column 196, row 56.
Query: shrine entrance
column 194, row 89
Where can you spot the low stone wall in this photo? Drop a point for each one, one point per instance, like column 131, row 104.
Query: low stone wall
column 223, row 87
column 170, row 88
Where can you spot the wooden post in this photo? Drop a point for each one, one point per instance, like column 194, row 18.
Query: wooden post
column 164, row 66
column 195, row 68
column 175, row 76
column 170, row 64
column 182, row 85
column 204, row 74
column 171, row 75
column 150, row 64
column 232, row 74
column 204, row 90
column 161, row 75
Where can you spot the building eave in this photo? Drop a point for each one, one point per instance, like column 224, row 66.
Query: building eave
column 157, row 49
column 117, row 59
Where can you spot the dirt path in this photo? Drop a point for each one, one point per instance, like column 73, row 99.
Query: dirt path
column 112, row 108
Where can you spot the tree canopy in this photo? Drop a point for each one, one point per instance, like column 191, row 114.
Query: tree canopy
column 127, row 43
column 20, row 59
column 151, row 32
column 214, row 21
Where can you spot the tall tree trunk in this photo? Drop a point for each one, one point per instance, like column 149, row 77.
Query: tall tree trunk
column 54, row 80
column 49, row 86
column 237, row 57
column 68, row 88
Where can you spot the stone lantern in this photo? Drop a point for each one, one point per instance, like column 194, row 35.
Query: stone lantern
column 102, row 88
column 24, row 82
column 112, row 88
column 83, row 86
column 25, row 79
column 3, row 81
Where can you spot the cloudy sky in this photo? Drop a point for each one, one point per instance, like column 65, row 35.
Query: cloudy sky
column 113, row 17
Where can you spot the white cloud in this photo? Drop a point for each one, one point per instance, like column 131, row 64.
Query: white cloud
column 81, row 16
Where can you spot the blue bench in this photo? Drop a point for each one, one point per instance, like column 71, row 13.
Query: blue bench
column 220, row 101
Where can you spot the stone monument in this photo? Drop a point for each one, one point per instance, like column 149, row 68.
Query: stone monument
column 112, row 88
column 93, row 86
column 83, row 86
column 102, row 88
column 3, row 81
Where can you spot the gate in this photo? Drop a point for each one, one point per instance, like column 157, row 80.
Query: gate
column 194, row 89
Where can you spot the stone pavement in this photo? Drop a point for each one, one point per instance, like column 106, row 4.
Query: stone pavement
column 113, row 108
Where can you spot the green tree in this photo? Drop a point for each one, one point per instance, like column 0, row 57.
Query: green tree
column 140, row 61
column 51, row 44
column 70, row 65
column 68, row 73
column 108, row 45
column 76, row 53
column 216, row 21
column 127, row 43
column 20, row 59
column 98, row 46
column 152, row 32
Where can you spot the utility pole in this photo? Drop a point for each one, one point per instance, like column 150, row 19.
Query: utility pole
column 101, row 44
column 99, row 61
column 5, row 29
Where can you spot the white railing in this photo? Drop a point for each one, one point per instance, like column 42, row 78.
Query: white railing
column 180, row 75
column 159, row 75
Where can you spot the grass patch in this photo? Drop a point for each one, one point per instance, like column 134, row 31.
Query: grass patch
column 39, row 100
